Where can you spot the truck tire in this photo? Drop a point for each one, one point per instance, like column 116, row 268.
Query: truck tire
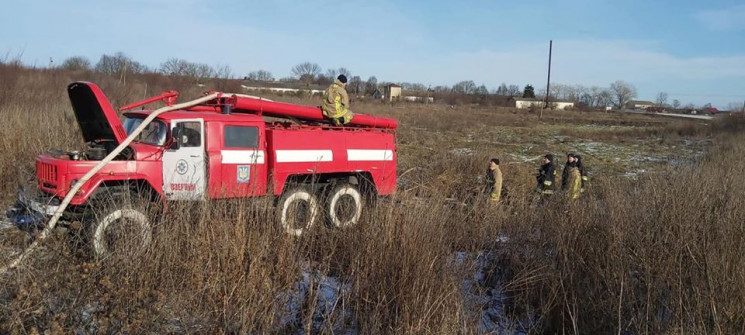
column 297, row 210
column 344, row 205
column 121, row 229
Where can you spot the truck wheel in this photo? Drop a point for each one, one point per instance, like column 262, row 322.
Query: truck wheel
column 297, row 210
column 121, row 230
column 344, row 205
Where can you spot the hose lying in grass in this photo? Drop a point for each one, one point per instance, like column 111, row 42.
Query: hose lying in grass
column 66, row 201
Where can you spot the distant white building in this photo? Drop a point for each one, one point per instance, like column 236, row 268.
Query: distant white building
column 637, row 104
column 417, row 99
column 525, row 103
column 392, row 92
column 279, row 89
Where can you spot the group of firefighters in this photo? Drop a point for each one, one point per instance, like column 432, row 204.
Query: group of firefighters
column 335, row 107
column 573, row 179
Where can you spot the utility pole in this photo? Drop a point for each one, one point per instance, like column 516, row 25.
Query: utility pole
column 548, row 82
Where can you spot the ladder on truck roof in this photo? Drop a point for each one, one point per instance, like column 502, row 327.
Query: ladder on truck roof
column 240, row 103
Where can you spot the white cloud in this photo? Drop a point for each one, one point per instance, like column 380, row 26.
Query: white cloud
column 723, row 19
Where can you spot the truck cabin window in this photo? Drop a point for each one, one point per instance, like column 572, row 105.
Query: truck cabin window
column 241, row 137
column 154, row 133
column 191, row 135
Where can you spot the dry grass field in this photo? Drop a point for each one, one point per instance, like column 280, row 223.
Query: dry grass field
column 655, row 246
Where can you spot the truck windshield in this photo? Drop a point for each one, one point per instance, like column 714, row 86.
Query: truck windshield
column 154, row 134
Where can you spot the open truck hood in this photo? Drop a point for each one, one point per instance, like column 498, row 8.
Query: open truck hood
column 96, row 117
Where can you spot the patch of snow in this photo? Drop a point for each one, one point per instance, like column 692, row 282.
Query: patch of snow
column 462, row 151
column 483, row 295
column 323, row 294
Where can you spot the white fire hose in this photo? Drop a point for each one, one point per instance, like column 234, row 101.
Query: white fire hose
column 70, row 194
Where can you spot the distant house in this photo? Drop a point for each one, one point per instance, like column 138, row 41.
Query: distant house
column 525, row 103
column 378, row 94
column 638, row 104
column 392, row 92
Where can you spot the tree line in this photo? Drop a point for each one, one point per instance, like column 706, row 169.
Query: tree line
column 122, row 65
column 617, row 94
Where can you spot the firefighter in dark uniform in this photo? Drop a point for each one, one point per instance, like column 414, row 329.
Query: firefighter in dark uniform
column 546, row 176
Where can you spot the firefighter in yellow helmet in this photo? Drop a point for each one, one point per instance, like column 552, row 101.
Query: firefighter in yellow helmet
column 336, row 102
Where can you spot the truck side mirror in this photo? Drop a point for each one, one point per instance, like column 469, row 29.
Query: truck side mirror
column 176, row 133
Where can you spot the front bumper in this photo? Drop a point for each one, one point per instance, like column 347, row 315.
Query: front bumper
column 30, row 213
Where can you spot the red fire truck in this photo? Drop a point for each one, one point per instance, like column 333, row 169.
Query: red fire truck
column 235, row 146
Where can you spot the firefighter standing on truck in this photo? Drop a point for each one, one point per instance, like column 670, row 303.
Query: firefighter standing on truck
column 546, row 176
column 336, row 102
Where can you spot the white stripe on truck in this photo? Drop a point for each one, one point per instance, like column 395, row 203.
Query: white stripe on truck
column 304, row 156
column 242, row 156
column 369, row 155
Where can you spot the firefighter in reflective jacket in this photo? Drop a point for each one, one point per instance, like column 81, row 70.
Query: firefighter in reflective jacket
column 571, row 162
column 582, row 172
column 494, row 181
column 574, row 182
column 336, row 102
column 546, row 176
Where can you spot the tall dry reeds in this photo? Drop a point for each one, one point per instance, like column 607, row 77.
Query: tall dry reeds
column 659, row 254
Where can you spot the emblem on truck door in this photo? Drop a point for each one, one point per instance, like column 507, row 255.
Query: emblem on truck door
column 243, row 173
column 182, row 167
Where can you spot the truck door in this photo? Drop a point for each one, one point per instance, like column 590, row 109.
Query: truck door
column 184, row 176
column 243, row 161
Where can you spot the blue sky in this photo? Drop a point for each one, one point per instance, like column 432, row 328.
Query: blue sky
column 694, row 50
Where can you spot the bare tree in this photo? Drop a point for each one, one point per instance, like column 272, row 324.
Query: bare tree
column 76, row 63
column 415, row 87
column 623, row 92
column 200, row 71
column 594, row 99
column 175, row 67
column 260, row 75
column 503, row 89
column 117, row 64
column 676, row 103
column 464, row 87
column 661, row 99
column 513, row 90
column 604, row 98
column 371, row 85
column 195, row 71
column 331, row 74
column 220, row 71
column 355, row 84
column 306, row 72
column 344, row 71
